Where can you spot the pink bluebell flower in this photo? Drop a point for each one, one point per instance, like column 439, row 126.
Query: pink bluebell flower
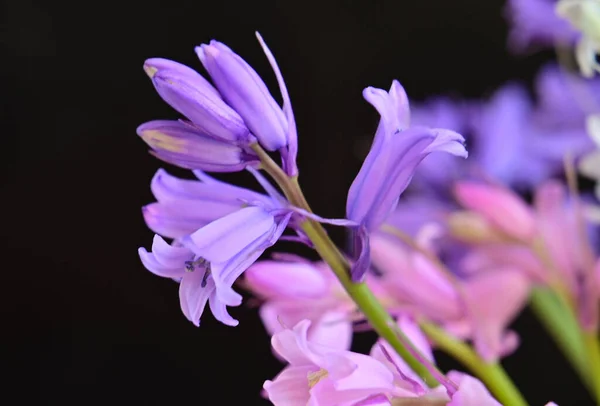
column 292, row 291
column 396, row 151
column 318, row 375
column 556, row 252
column 474, row 307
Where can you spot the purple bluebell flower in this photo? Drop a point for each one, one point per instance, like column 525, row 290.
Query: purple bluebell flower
column 535, row 23
column 396, row 151
column 191, row 95
column 512, row 139
column 437, row 171
column 208, row 261
column 184, row 145
column 244, row 90
column 183, row 206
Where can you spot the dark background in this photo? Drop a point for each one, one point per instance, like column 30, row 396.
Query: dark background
column 82, row 321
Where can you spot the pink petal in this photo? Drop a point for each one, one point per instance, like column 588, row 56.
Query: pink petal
column 500, row 206
column 492, row 309
column 374, row 400
column 332, row 330
column 274, row 279
column 293, row 346
column 412, row 278
column 367, row 373
column 471, row 392
column 417, row 338
column 290, row 387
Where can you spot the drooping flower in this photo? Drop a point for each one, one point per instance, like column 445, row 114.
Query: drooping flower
column 396, row 151
column 318, row 375
column 242, row 88
column 183, row 206
column 584, row 15
column 535, row 23
column 209, row 260
column 294, row 291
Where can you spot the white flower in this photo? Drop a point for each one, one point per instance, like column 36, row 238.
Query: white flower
column 585, row 16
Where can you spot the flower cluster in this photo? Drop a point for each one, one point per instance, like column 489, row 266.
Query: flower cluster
column 448, row 266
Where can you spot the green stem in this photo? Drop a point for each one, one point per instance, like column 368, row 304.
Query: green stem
column 564, row 329
column 593, row 350
column 360, row 293
column 492, row 374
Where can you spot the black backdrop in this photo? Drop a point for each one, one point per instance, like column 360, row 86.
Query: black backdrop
column 82, row 321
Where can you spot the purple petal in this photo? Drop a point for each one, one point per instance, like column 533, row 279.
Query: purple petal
column 170, row 255
column 194, row 293
column 168, row 188
column 151, row 263
column 185, row 146
column 209, row 113
column 154, row 65
column 244, row 90
column 226, row 237
column 534, row 22
column 500, row 131
column 292, row 134
column 226, row 274
column 219, row 310
column 362, row 250
column 179, row 218
column 387, row 178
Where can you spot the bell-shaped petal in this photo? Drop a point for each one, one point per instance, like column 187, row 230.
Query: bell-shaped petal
column 244, row 90
column 184, row 145
column 385, row 354
column 188, row 93
column 471, row 392
column 499, row 206
column 395, row 154
column 414, row 280
column 491, row 310
column 185, row 205
column 329, row 376
column 295, row 291
column 197, row 287
column 274, row 279
column 234, row 242
column 290, row 387
column 165, row 260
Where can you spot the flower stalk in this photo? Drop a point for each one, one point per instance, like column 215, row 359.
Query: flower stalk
column 492, row 374
column 366, row 301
